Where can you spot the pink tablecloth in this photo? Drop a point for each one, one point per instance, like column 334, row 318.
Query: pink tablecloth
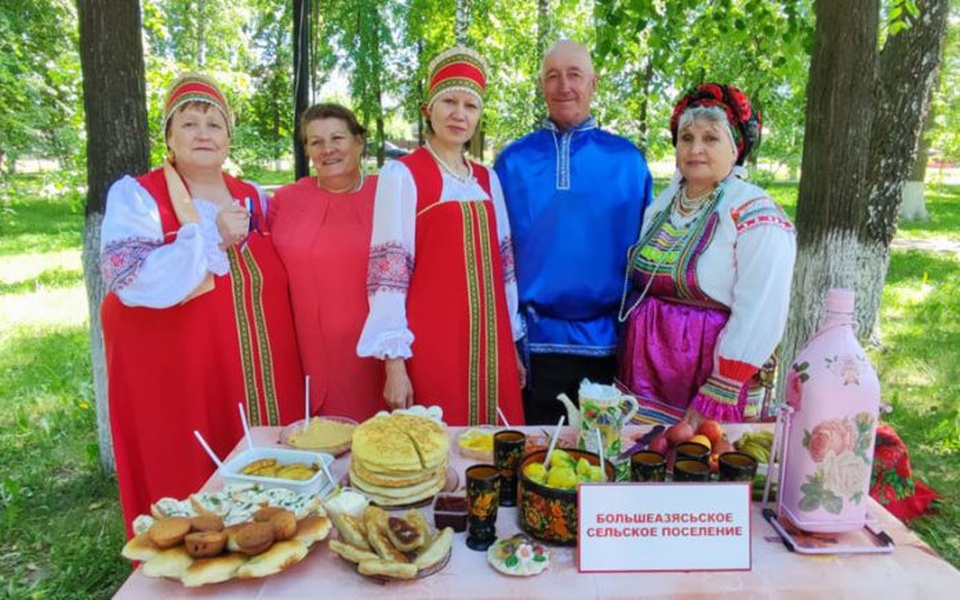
column 913, row 570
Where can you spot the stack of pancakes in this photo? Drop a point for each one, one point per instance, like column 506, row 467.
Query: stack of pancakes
column 399, row 459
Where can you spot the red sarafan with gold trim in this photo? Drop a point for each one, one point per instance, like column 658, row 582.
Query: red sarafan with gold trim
column 182, row 368
column 463, row 353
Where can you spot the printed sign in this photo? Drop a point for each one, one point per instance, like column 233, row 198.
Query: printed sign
column 664, row 527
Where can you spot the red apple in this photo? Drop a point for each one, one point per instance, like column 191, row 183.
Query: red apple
column 712, row 430
column 714, row 463
column 722, row 446
column 680, row 433
column 659, row 443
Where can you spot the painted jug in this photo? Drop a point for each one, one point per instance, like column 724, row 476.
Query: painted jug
column 827, row 452
column 604, row 408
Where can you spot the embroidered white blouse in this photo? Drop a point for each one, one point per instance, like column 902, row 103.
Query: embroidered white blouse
column 748, row 266
column 138, row 267
column 393, row 241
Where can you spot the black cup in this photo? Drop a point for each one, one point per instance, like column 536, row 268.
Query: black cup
column 647, row 465
column 691, row 470
column 507, row 450
column 737, row 466
column 692, row 451
column 483, row 502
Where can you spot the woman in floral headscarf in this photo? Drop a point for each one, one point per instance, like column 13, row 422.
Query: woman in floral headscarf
column 443, row 296
column 709, row 279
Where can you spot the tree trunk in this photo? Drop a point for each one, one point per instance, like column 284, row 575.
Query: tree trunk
column 420, row 95
column 906, row 74
column 838, row 121
column 462, row 21
column 115, row 105
column 201, row 32
column 301, row 81
column 544, row 34
column 914, row 206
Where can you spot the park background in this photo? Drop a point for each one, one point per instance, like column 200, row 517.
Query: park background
column 60, row 526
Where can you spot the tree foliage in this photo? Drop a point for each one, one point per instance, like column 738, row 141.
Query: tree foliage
column 41, row 112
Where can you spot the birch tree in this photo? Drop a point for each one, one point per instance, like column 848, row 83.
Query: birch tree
column 114, row 99
column 907, row 70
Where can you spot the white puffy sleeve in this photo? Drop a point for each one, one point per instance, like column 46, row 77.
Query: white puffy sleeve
column 135, row 262
column 764, row 255
column 506, row 256
column 386, row 333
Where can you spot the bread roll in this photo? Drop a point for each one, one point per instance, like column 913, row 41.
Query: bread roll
column 213, row 570
column 280, row 556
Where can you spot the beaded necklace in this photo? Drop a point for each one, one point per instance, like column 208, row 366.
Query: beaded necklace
column 450, row 170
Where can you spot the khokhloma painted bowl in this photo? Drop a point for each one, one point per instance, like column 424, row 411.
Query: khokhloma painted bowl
column 550, row 514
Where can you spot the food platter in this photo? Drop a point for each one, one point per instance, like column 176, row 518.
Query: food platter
column 386, row 547
column 326, row 433
column 240, row 532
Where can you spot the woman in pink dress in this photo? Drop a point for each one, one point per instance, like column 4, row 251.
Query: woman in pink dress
column 321, row 229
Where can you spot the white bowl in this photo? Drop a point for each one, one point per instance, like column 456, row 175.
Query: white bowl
column 232, row 469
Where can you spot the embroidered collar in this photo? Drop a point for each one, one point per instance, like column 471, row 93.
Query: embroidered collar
column 588, row 123
column 561, row 140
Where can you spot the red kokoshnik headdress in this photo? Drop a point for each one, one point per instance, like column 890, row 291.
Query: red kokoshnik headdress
column 194, row 87
column 744, row 122
column 456, row 69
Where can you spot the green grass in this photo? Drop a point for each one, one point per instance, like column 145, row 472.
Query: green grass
column 60, row 525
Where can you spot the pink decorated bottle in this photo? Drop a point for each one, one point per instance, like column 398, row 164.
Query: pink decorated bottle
column 828, row 438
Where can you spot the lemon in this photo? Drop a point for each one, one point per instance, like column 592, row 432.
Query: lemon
column 562, row 477
column 535, row 472
column 583, row 468
column 560, row 458
column 475, row 439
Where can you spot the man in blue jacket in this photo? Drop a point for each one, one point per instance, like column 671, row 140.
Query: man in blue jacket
column 576, row 196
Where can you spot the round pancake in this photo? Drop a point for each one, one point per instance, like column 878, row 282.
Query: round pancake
column 396, row 492
column 393, row 481
column 429, row 437
column 410, row 499
column 382, row 447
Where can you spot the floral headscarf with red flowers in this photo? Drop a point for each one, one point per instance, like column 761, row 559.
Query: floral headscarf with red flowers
column 743, row 120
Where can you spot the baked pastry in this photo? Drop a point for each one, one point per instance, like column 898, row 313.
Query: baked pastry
column 172, row 563
column 213, row 570
column 352, row 553
column 351, row 530
column 404, row 536
column 385, row 568
column 312, row 529
column 204, row 544
column 254, row 538
column 139, row 547
column 266, row 513
column 284, row 525
column 375, row 520
column 169, row 532
column 280, row 556
column 428, row 436
column 437, row 551
column 381, row 446
column 358, row 471
column 206, row 522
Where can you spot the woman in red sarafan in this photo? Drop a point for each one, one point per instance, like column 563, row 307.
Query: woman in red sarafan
column 197, row 317
column 441, row 283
